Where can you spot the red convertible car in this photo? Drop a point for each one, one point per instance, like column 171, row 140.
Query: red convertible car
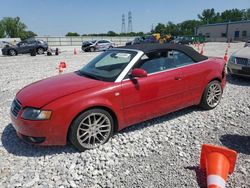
column 118, row 88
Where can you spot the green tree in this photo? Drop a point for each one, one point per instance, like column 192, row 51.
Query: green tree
column 208, row 16
column 72, row 34
column 13, row 27
column 160, row 28
column 246, row 14
column 232, row 15
column 188, row 27
column 111, row 33
column 2, row 32
column 27, row 35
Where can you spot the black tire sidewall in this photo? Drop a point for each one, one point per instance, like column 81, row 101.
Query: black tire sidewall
column 74, row 126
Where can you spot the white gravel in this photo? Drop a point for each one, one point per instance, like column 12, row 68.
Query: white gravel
column 162, row 152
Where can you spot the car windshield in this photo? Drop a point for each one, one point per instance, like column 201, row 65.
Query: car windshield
column 108, row 65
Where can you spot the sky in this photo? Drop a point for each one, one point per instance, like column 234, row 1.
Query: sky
column 57, row 17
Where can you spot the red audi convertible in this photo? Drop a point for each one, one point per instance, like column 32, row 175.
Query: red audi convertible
column 118, row 88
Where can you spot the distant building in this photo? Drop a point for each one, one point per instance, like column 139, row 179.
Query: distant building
column 221, row 32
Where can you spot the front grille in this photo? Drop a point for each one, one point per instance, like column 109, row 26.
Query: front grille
column 242, row 61
column 15, row 107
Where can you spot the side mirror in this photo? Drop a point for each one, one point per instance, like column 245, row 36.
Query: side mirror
column 139, row 73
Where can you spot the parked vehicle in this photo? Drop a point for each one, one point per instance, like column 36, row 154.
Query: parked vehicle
column 142, row 40
column 25, row 47
column 239, row 63
column 4, row 43
column 247, row 43
column 97, row 45
column 182, row 40
column 120, row 87
column 136, row 40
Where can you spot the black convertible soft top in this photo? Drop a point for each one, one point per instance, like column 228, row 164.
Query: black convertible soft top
column 148, row 48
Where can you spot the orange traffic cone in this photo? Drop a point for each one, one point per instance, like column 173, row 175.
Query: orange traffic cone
column 75, row 52
column 225, row 56
column 62, row 65
column 202, row 51
column 218, row 162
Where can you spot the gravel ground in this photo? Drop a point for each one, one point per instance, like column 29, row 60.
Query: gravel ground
column 162, row 152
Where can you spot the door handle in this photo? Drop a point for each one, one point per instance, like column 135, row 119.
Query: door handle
column 177, row 78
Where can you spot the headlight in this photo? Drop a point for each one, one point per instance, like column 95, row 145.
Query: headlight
column 36, row 114
column 232, row 59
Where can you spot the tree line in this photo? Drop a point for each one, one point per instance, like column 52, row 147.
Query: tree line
column 14, row 28
column 208, row 16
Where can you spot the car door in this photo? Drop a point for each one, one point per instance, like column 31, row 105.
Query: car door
column 193, row 75
column 31, row 45
column 22, row 47
column 158, row 93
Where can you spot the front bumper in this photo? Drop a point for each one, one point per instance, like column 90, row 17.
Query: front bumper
column 239, row 70
column 4, row 52
column 38, row 132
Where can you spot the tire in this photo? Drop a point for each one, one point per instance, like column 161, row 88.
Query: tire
column 92, row 49
column 40, row 51
column 12, row 52
column 212, row 95
column 85, row 131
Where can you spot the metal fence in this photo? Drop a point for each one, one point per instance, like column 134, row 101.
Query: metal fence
column 77, row 41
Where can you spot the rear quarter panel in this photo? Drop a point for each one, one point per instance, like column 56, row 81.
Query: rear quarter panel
column 215, row 71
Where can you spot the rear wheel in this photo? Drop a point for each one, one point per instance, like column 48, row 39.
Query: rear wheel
column 40, row 51
column 91, row 129
column 12, row 52
column 212, row 95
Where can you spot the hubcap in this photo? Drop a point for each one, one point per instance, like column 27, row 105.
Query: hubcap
column 12, row 52
column 40, row 51
column 214, row 94
column 94, row 130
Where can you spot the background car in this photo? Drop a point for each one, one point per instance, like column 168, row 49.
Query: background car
column 25, row 47
column 182, row 40
column 4, row 43
column 142, row 40
column 239, row 63
column 247, row 43
column 97, row 45
column 119, row 88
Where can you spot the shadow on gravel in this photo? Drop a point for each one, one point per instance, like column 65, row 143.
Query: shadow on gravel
column 17, row 147
column 200, row 175
column 239, row 143
column 237, row 80
column 161, row 119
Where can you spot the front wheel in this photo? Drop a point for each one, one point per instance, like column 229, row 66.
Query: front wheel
column 92, row 49
column 212, row 95
column 12, row 52
column 91, row 129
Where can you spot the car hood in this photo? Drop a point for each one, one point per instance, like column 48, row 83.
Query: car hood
column 45, row 91
column 243, row 53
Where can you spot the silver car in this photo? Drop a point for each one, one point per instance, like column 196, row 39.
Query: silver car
column 239, row 62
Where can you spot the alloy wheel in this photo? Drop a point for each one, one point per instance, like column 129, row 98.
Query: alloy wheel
column 214, row 94
column 94, row 130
